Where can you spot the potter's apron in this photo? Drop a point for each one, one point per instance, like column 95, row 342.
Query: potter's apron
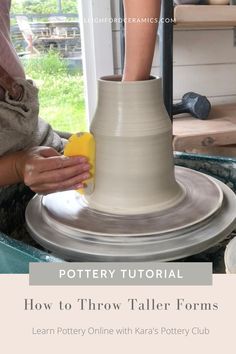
column 20, row 129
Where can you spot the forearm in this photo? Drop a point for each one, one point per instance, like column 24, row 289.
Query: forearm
column 5, row 6
column 44, row 170
column 140, row 38
column 8, row 170
column 8, row 58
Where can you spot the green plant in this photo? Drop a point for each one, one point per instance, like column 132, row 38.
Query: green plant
column 43, row 6
column 61, row 93
column 50, row 64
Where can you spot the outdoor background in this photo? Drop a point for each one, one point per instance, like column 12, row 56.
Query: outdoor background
column 56, row 71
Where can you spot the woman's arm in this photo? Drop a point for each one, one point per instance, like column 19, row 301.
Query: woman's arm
column 140, row 38
column 44, row 170
column 8, row 58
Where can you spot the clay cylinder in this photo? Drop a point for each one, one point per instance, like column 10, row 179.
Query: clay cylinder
column 134, row 158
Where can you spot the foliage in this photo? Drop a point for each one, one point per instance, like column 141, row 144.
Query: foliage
column 43, row 6
column 60, row 92
column 69, row 6
column 46, row 64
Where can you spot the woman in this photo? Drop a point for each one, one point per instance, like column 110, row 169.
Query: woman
column 43, row 169
column 30, row 151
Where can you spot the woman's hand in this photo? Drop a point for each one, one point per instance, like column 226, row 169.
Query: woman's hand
column 45, row 171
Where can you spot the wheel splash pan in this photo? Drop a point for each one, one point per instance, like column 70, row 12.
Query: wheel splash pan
column 184, row 232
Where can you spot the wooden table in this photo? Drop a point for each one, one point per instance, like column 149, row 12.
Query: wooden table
column 58, row 42
column 54, row 26
column 214, row 136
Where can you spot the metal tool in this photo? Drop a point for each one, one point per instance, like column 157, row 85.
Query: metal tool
column 197, row 105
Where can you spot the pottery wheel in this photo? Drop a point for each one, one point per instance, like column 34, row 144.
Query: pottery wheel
column 63, row 223
column 68, row 210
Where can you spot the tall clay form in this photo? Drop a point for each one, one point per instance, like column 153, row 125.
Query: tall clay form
column 137, row 211
column 134, row 158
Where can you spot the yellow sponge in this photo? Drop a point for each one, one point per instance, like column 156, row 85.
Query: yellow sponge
column 83, row 144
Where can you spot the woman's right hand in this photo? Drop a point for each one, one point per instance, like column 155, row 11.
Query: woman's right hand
column 46, row 171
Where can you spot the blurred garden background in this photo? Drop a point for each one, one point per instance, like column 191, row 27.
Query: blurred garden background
column 46, row 36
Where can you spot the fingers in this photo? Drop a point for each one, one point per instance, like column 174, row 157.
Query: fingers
column 63, row 174
column 59, row 162
column 70, row 184
column 46, row 171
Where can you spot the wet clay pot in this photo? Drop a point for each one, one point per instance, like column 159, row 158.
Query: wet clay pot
column 134, row 159
column 138, row 211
